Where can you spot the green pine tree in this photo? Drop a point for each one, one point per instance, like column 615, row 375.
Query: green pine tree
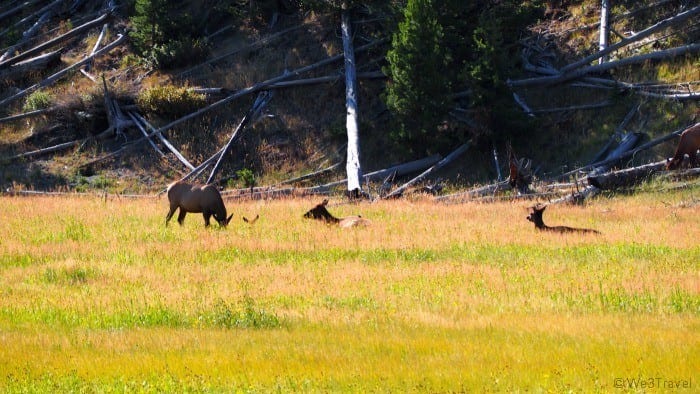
column 420, row 86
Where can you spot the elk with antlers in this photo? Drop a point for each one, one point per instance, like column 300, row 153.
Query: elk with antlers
column 536, row 217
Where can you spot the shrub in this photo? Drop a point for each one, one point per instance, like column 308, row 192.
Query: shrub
column 170, row 100
column 38, row 100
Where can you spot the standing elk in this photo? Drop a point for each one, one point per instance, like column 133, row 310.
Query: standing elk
column 319, row 212
column 536, row 217
column 196, row 199
column 688, row 145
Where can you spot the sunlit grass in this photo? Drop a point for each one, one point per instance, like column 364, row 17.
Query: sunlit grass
column 98, row 295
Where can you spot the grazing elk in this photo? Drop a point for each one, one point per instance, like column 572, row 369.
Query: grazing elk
column 195, row 198
column 688, row 145
column 536, row 217
column 320, row 212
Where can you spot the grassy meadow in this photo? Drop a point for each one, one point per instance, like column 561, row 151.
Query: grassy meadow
column 97, row 295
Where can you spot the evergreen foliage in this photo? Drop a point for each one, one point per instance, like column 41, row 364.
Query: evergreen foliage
column 418, row 93
column 446, row 46
column 165, row 34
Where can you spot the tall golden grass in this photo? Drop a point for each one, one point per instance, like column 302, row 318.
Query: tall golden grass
column 98, row 295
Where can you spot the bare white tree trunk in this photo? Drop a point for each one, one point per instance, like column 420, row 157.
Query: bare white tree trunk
column 353, row 167
column 604, row 34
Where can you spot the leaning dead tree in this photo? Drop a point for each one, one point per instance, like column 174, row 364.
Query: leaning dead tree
column 260, row 102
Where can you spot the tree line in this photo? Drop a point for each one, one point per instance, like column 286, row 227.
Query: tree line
column 444, row 54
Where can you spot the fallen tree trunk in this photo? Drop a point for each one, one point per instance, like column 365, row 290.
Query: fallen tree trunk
column 48, row 44
column 263, row 85
column 477, row 192
column 26, row 115
column 640, row 148
column 145, row 134
column 53, row 78
column 293, row 83
column 31, row 65
column 682, row 17
column 162, row 138
column 260, row 102
column 397, row 192
column 580, row 72
column 46, row 14
column 310, row 175
column 628, row 142
column 625, row 178
column 59, row 147
column 399, row 170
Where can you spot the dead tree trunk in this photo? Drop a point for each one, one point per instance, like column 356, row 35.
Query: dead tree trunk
column 603, row 41
column 352, row 167
column 397, row 192
column 260, row 102
column 625, row 178
column 48, row 44
column 683, row 16
column 263, row 85
column 46, row 14
column 581, row 72
column 53, row 78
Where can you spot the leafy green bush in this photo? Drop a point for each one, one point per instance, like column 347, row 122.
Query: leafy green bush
column 38, row 100
column 246, row 176
column 170, row 100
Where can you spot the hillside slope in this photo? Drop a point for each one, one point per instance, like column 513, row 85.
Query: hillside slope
column 302, row 128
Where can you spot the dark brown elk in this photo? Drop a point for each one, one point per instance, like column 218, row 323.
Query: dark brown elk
column 536, row 217
column 319, row 212
column 520, row 172
column 196, row 199
column 688, row 145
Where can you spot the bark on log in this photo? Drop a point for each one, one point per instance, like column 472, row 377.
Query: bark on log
column 48, row 44
column 429, row 171
column 625, row 178
column 53, row 78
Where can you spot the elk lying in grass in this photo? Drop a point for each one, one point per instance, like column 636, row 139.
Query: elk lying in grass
column 536, row 217
column 688, row 145
column 320, row 212
column 195, row 198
